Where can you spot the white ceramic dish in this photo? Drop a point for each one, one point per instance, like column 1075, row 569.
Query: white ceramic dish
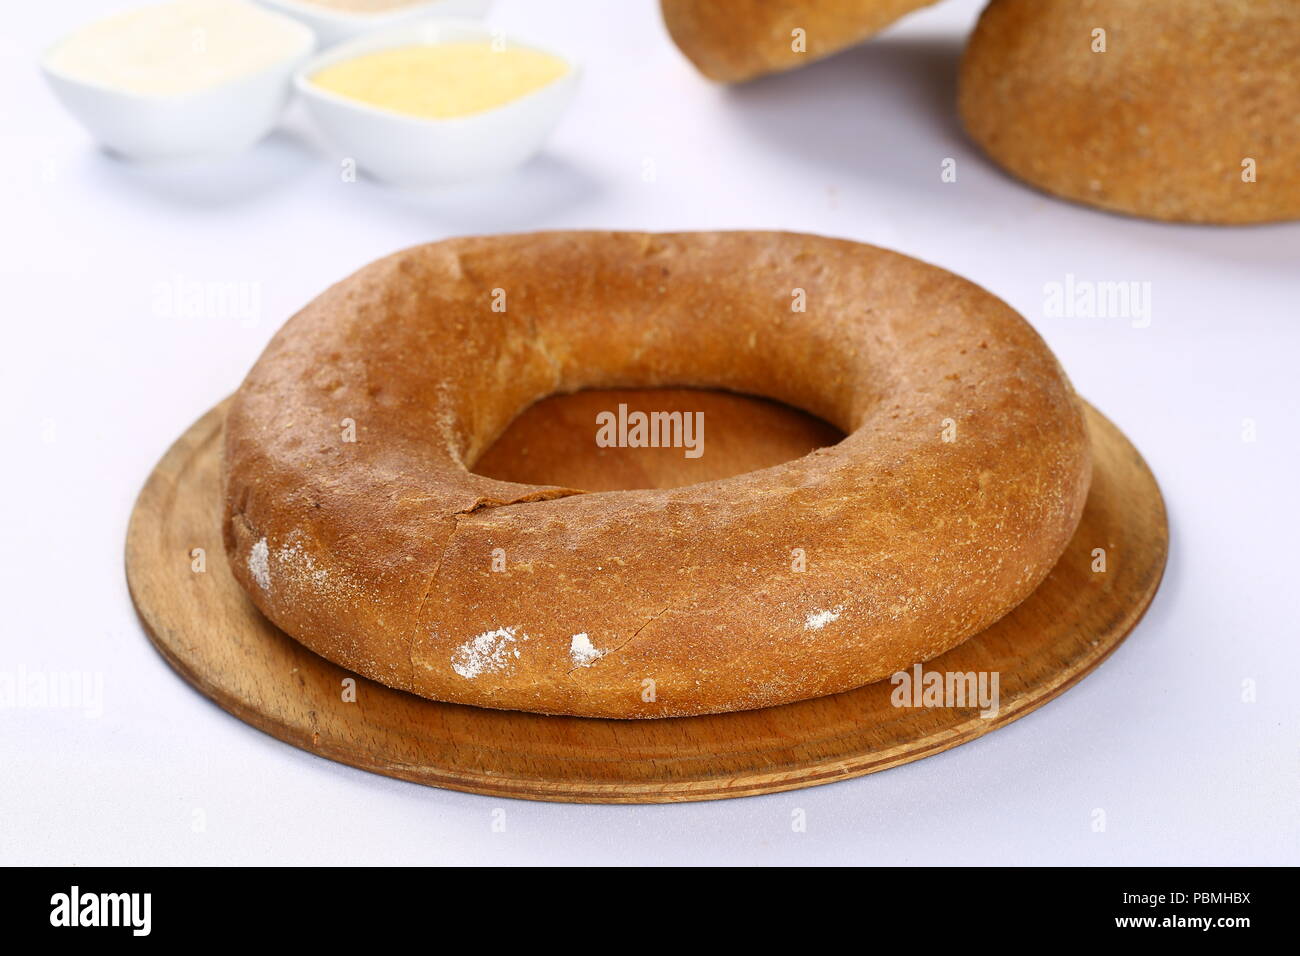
column 337, row 26
column 221, row 119
column 410, row 151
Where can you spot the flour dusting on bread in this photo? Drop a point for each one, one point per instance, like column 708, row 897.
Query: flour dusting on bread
column 489, row 653
column 582, row 652
column 295, row 558
column 259, row 564
column 819, row 619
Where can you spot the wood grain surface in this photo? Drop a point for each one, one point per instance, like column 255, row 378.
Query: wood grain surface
column 551, row 442
column 213, row 636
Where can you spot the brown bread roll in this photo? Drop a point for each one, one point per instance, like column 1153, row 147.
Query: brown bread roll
column 735, row 40
column 1183, row 110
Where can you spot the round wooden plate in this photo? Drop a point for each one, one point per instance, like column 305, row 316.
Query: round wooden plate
column 209, row 632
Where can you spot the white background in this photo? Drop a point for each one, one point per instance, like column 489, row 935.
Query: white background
column 97, row 383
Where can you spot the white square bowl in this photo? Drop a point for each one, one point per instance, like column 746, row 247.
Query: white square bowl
column 218, row 120
column 417, row 152
column 338, row 26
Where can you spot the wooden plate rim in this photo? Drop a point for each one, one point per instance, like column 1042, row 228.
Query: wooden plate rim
column 759, row 781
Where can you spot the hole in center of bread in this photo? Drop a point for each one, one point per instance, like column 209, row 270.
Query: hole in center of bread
column 625, row 439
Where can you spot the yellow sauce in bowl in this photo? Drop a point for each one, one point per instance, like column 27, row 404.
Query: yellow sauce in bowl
column 441, row 81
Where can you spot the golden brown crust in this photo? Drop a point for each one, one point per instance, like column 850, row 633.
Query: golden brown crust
column 731, row 41
column 1160, row 124
column 378, row 553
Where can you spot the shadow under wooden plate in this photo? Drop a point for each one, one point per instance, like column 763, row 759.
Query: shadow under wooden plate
column 209, row 631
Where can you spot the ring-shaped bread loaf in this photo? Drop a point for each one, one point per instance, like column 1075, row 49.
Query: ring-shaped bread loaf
column 354, row 521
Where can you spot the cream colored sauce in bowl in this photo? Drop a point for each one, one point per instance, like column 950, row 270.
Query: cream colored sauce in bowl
column 177, row 48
